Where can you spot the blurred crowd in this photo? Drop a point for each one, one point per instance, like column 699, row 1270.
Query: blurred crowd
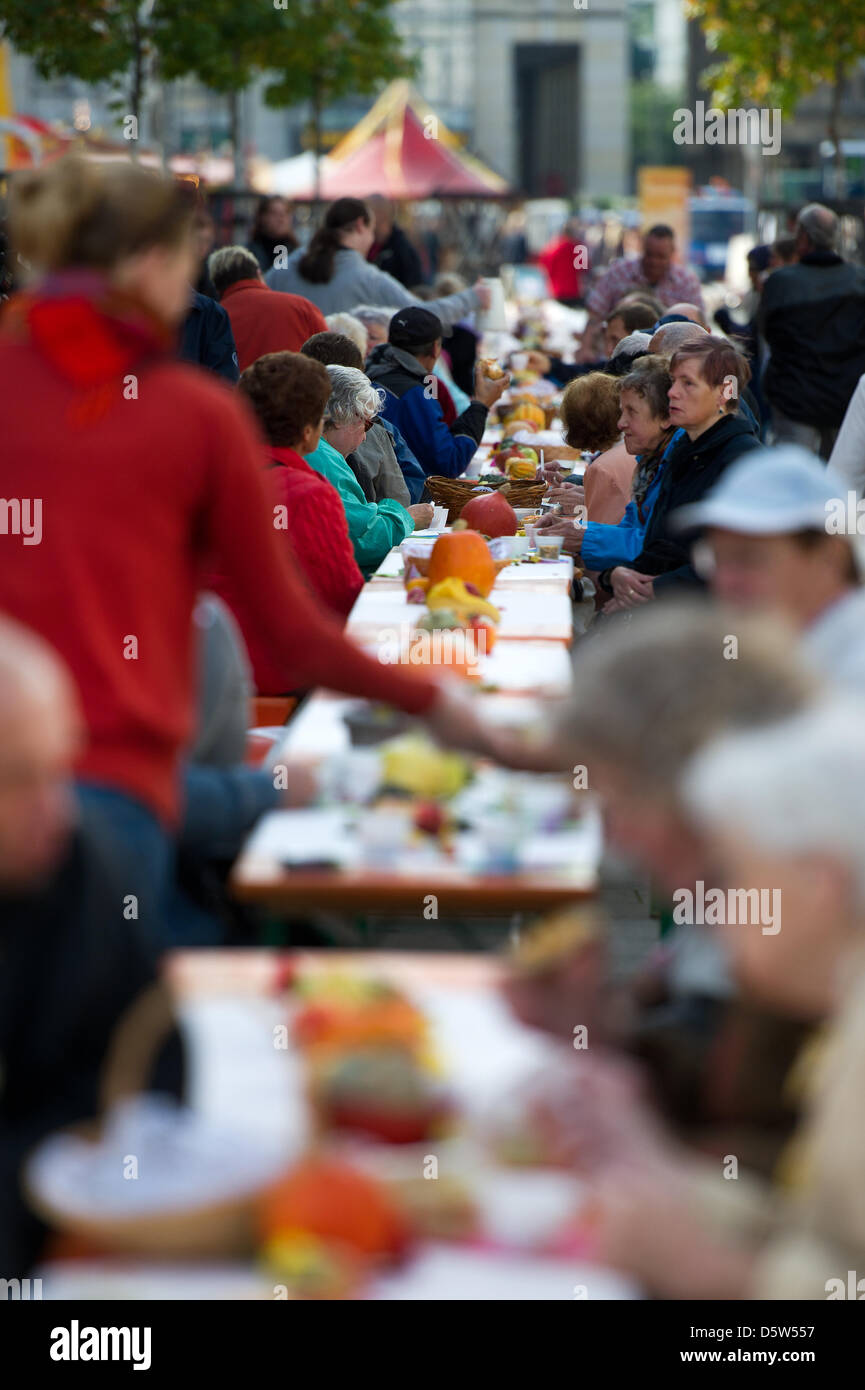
column 215, row 471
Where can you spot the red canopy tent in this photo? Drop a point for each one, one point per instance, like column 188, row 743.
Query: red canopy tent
column 402, row 149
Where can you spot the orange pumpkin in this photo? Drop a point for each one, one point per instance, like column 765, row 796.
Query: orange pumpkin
column 335, row 1202
column 463, row 555
column 388, row 1021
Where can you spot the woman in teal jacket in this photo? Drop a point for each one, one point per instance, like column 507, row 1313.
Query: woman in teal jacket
column 373, row 527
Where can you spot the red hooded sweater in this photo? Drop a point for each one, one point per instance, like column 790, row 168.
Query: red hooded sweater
column 309, row 517
column 143, row 466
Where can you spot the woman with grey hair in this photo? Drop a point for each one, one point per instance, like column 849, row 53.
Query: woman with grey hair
column 350, row 327
column 374, row 527
column 375, row 320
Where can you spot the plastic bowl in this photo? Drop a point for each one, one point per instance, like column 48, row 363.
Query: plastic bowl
column 417, row 551
column 549, row 547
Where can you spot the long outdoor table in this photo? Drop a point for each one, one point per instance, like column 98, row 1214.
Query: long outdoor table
column 378, row 612
column 531, row 661
column 229, row 1004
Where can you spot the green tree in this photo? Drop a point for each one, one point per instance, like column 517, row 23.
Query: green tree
column 220, row 43
column 777, row 51
column 321, row 50
column 653, row 111
column 314, row 51
column 94, row 40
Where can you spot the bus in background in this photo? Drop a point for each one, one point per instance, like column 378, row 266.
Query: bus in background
column 716, row 217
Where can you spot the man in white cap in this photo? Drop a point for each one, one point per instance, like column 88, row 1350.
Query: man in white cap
column 779, row 535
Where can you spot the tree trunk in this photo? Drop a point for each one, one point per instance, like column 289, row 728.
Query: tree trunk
column 835, row 133
column 156, row 108
column 316, row 144
column 236, row 128
column 137, row 84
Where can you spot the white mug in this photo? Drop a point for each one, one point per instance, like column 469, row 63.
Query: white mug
column 493, row 320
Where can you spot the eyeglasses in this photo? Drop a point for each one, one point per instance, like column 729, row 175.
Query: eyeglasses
column 368, row 424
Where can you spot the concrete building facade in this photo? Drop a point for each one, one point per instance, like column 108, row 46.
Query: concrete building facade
column 540, row 92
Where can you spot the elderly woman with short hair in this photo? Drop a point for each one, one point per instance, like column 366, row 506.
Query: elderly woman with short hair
column 647, row 435
column 707, row 377
column 374, row 527
column 376, row 321
column 350, row 327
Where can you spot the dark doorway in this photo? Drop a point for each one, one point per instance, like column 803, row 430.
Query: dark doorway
column 548, row 89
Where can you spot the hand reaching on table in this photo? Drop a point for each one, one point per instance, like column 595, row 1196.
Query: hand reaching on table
column 571, row 528
column 482, row 290
column 421, row 514
column 457, row 721
column 298, row 779
column 569, row 495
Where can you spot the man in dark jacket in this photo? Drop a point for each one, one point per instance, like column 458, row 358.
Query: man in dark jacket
column 392, row 251
column 404, row 367
column 73, row 956
column 694, row 466
column 206, row 338
column 812, row 316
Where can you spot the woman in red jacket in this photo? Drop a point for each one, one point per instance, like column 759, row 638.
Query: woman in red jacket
column 288, row 393
column 143, row 469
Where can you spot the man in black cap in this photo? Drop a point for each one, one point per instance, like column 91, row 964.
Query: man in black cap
column 404, row 367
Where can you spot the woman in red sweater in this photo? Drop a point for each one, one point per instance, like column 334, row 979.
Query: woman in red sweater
column 142, row 470
column 288, row 393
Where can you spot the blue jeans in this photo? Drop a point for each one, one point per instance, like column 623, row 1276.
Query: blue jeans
column 141, row 852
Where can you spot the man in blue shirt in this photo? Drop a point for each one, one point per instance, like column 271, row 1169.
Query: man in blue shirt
column 403, row 366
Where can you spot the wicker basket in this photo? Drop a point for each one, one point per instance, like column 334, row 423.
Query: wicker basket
column 225, row 1227
column 453, row 493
